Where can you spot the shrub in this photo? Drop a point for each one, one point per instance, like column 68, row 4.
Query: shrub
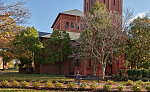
column 24, row 84
column 28, row 80
column 70, row 85
column 93, row 86
column 145, row 73
column 149, row 73
column 138, row 73
column 107, row 87
column 15, row 84
column 58, row 85
column 48, row 84
column 140, row 82
column 11, row 80
column 129, row 72
column 147, row 83
column 129, row 82
column 136, row 87
column 82, row 85
column 121, row 87
column 148, row 88
column 110, row 82
column 19, row 79
column 133, row 72
column 5, row 83
column 36, row 84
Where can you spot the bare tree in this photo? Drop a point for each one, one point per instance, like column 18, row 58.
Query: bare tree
column 127, row 16
column 103, row 36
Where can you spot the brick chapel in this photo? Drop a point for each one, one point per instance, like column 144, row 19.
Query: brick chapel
column 68, row 21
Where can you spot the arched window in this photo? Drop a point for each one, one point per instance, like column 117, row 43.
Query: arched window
column 77, row 27
column 114, row 2
column 67, row 24
column 82, row 27
column 72, row 25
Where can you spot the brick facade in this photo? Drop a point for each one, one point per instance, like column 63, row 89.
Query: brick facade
column 85, row 68
column 112, row 5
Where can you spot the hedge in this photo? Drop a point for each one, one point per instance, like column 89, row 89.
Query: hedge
column 139, row 73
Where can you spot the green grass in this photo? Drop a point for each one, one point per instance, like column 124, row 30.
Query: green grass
column 27, row 90
column 33, row 77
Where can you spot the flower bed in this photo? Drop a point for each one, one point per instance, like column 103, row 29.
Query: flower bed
column 90, row 86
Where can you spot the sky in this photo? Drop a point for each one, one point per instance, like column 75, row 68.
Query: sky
column 44, row 12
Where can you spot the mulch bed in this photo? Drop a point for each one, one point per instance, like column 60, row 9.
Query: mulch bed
column 99, row 89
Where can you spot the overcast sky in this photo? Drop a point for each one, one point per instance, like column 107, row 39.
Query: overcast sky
column 44, row 12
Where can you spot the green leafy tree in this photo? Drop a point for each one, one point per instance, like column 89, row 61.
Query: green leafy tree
column 58, row 48
column 138, row 43
column 28, row 47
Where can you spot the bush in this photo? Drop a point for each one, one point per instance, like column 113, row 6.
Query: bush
column 148, row 88
column 147, row 83
column 93, row 86
column 129, row 72
column 36, row 84
column 48, row 84
column 129, row 82
column 19, row 79
column 136, row 87
column 140, row 82
column 5, row 83
column 120, row 87
column 133, row 72
column 24, row 84
column 70, row 85
column 28, row 80
column 15, row 84
column 58, row 85
column 107, row 87
column 149, row 73
column 145, row 73
column 82, row 85
column 110, row 82
column 11, row 80
column 138, row 73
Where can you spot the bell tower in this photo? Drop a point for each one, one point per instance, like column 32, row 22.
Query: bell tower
column 112, row 5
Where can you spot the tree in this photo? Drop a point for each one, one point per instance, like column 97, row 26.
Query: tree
column 138, row 42
column 103, row 37
column 11, row 16
column 28, row 48
column 58, row 48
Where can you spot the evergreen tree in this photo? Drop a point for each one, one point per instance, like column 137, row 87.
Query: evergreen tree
column 58, row 48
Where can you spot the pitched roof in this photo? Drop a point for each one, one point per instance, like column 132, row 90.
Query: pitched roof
column 73, row 12
column 42, row 33
column 73, row 35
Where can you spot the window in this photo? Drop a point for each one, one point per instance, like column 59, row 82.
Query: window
column 77, row 27
column 67, row 24
column 87, row 6
column 114, row 2
column 82, row 27
column 72, row 25
column 90, row 63
column 104, row 1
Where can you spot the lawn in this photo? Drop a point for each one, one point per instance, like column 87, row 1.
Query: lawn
column 33, row 77
column 26, row 90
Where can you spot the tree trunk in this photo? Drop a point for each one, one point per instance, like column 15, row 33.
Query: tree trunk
column 94, row 71
column 3, row 64
column 103, row 71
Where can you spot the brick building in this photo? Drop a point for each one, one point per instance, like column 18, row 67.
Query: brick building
column 69, row 21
